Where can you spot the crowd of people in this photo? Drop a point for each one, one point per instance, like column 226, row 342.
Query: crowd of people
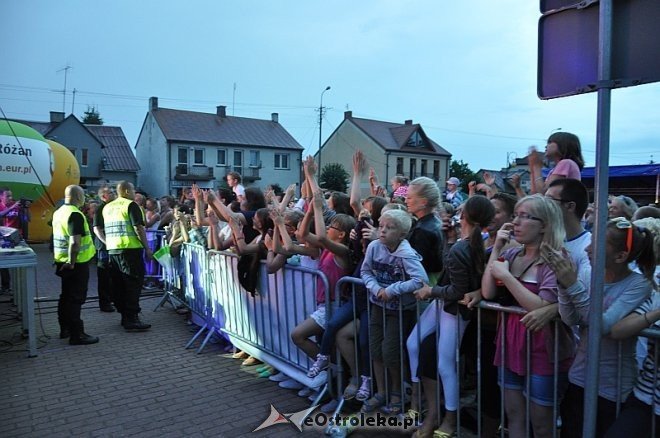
column 426, row 260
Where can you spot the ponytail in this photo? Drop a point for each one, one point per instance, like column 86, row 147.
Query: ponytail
column 644, row 254
column 477, row 250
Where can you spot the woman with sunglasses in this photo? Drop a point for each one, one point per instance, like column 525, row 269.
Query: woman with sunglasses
column 623, row 291
column 537, row 220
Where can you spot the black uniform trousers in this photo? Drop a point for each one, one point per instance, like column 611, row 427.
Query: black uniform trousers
column 73, row 296
column 127, row 276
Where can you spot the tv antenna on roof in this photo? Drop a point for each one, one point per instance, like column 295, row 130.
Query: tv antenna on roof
column 66, row 73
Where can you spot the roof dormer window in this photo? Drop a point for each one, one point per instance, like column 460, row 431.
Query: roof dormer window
column 415, row 141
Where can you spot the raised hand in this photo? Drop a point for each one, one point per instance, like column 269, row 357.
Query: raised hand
column 489, row 178
column 309, row 165
column 196, row 192
column 515, row 180
column 359, row 163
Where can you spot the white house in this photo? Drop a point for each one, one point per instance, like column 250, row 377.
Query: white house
column 177, row 147
column 391, row 149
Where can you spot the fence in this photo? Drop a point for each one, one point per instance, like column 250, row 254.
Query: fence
column 261, row 325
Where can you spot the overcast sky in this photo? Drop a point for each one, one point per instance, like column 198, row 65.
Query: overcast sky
column 465, row 70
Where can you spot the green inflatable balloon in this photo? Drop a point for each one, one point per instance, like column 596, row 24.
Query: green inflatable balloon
column 25, row 161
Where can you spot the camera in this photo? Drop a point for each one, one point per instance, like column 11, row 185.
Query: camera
column 455, row 221
column 25, row 202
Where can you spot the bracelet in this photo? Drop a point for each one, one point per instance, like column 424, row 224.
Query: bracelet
column 536, row 179
column 646, row 318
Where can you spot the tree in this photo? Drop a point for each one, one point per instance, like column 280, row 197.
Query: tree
column 460, row 170
column 92, row 116
column 334, row 177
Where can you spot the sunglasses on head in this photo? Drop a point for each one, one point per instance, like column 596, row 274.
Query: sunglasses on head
column 625, row 224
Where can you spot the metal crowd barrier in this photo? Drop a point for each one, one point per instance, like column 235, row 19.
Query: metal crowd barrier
column 261, row 326
column 153, row 270
column 503, row 312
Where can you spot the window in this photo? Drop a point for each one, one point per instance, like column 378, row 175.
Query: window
column 199, row 157
column 254, row 159
column 424, row 168
column 399, row 166
column 281, row 161
column 436, row 170
column 183, row 156
column 238, row 161
column 222, row 157
column 415, row 140
column 413, row 168
column 84, row 157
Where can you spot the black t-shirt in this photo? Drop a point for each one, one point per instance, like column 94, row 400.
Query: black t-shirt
column 76, row 224
column 98, row 222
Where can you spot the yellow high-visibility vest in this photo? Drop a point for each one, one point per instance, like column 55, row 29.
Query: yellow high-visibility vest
column 119, row 231
column 61, row 236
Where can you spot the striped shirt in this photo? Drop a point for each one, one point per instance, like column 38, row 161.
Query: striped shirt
column 644, row 386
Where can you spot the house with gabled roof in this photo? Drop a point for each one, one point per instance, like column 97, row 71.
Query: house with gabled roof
column 391, row 149
column 178, row 148
column 103, row 153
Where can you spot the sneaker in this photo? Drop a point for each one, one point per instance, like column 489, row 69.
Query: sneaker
column 291, row 384
column 239, row 355
column 351, row 389
column 262, row 368
column 364, row 392
column 312, row 397
column 251, row 361
column 321, row 363
column 305, row 392
column 279, row 377
column 319, row 380
column 266, row 373
column 330, row 406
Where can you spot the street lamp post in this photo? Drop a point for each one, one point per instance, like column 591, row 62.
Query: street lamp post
column 321, row 127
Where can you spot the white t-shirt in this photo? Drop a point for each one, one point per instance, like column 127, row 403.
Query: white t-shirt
column 239, row 191
column 576, row 248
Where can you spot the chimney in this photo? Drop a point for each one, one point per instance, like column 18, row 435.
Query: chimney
column 348, row 115
column 153, row 103
column 275, row 117
column 56, row 116
column 408, row 122
column 221, row 111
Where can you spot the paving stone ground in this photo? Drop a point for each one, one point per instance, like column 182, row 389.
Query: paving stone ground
column 129, row 384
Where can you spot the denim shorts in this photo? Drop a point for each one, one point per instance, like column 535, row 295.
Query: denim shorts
column 541, row 387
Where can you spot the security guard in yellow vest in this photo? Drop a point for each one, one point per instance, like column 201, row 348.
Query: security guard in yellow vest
column 73, row 249
column 122, row 230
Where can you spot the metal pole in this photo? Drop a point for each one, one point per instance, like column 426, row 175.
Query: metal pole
column 600, row 226
column 321, row 128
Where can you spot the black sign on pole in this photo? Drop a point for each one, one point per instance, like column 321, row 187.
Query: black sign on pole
column 568, row 46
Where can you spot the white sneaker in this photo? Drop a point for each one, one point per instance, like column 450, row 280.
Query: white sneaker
column 319, row 380
column 279, row 377
column 291, row 384
column 305, row 392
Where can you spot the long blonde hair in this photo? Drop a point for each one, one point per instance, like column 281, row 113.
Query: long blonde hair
column 548, row 211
